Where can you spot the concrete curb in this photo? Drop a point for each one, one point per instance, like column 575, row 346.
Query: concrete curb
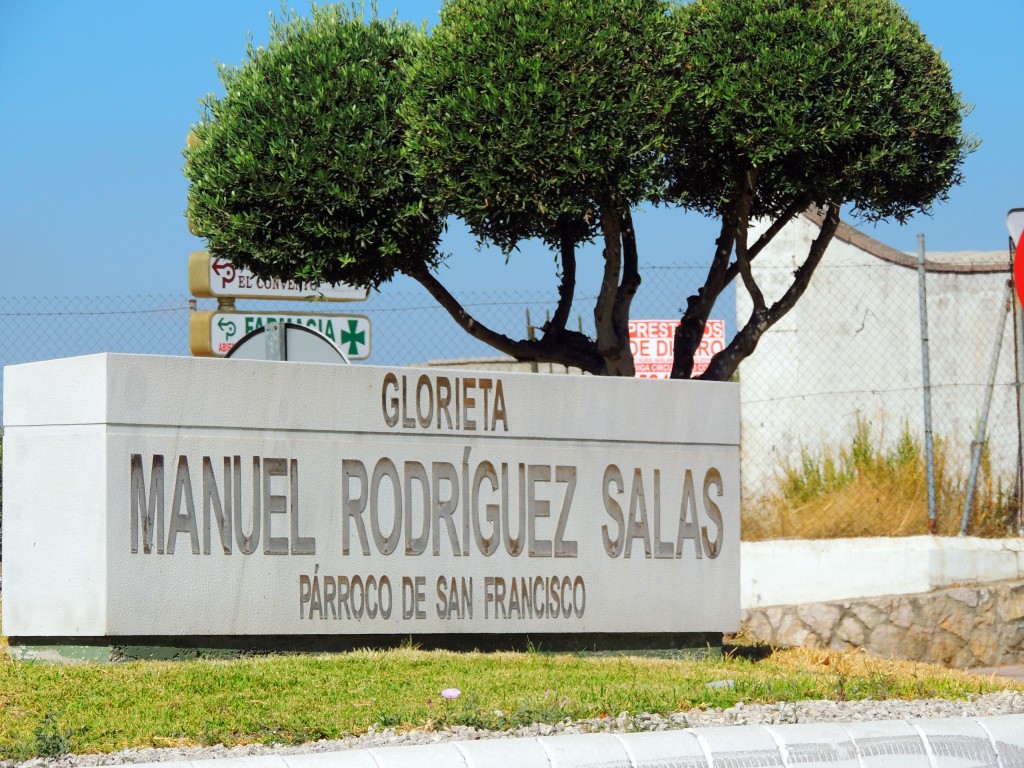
column 938, row 743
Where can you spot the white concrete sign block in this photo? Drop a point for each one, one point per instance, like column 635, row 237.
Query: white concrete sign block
column 161, row 496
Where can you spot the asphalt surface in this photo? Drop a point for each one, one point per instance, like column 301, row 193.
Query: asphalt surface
column 1009, row 671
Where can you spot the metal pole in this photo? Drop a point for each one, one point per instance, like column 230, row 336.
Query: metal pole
column 277, row 345
column 530, row 336
column 929, row 445
column 979, row 440
column 1018, row 335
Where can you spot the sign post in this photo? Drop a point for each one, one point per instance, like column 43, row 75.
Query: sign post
column 214, row 334
column 1015, row 224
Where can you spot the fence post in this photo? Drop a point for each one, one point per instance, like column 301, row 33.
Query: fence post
column 530, row 336
column 979, row 439
column 1018, row 348
column 929, row 445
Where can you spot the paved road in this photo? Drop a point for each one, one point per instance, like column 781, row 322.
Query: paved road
column 1009, row 671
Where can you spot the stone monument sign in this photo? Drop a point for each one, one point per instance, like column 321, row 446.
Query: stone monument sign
column 187, row 500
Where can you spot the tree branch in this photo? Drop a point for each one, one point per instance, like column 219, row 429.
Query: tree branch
column 609, row 342
column 569, row 348
column 630, row 278
column 567, row 287
column 802, row 276
column 698, row 307
column 742, row 230
column 793, row 210
column 467, row 322
column 725, row 363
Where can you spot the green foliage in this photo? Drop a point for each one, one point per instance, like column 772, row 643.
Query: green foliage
column 341, row 147
column 299, row 169
column 842, row 102
column 907, row 451
column 817, row 477
column 531, row 117
column 50, row 740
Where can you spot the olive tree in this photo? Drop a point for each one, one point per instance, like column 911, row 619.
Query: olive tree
column 299, row 169
column 341, row 148
column 547, row 120
column 791, row 104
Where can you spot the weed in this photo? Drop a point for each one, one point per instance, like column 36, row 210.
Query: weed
column 50, row 740
column 549, row 708
column 868, row 488
column 388, row 719
column 471, row 713
column 211, row 733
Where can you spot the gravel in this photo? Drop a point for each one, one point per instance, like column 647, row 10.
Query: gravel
column 1001, row 703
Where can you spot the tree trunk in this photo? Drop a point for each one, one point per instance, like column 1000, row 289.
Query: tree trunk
column 698, row 307
column 612, row 332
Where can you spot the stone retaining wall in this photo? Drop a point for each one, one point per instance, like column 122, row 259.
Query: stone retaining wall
column 961, row 626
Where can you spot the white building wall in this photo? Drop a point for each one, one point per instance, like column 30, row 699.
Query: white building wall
column 851, row 348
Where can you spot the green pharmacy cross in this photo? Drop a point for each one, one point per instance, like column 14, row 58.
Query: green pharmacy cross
column 352, row 338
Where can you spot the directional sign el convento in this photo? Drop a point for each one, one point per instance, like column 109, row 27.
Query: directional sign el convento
column 213, row 334
column 213, row 277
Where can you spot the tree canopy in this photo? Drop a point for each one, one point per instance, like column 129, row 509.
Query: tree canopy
column 548, row 120
column 796, row 103
column 531, row 118
column 340, row 148
column 299, row 169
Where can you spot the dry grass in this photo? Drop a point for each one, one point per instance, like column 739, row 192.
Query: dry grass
column 853, row 674
column 858, row 663
column 866, row 490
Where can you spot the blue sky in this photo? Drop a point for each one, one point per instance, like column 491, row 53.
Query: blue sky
column 96, row 100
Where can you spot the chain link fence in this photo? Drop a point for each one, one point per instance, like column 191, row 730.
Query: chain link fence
column 407, row 327
column 832, row 399
column 833, row 418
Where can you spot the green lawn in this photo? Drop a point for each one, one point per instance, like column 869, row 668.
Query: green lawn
column 49, row 708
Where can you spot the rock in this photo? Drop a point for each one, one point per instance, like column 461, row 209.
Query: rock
column 960, row 626
column 851, row 632
column 757, row 627
column 792, row 632
column 819, row 618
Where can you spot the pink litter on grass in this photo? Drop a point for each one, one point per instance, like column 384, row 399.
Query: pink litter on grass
column 451, row 693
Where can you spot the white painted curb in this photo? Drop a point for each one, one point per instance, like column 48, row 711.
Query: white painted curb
column 940, row 743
